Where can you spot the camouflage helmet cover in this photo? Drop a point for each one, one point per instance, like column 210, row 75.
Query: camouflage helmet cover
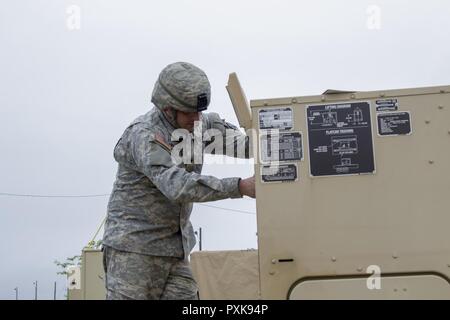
column 182, row 86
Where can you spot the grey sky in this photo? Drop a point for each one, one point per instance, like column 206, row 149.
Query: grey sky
column 66, row 96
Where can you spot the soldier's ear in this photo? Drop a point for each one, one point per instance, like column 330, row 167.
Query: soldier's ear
column 174, row 115
column 170, row 112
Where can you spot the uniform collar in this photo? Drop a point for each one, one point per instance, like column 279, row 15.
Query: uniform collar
column 164, row 121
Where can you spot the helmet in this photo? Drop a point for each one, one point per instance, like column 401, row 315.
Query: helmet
column 183, row 87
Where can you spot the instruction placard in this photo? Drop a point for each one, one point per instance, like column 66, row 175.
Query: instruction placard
column 276, row 118
column 340, row 139
column 394, row 123
column 281, row 146
column 280, row 173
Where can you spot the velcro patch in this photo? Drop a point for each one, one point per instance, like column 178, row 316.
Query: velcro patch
column 159, row 139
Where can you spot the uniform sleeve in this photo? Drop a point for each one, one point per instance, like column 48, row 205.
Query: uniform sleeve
column 234, row 141
column 175, row 182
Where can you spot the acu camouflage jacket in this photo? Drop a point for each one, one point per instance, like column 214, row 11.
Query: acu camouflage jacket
column 151, row 202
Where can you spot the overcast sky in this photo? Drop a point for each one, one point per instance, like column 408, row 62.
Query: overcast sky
column 67, row 93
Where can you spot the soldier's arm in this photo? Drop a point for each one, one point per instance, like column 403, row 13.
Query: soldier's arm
column 155, row 161
column 235, row 143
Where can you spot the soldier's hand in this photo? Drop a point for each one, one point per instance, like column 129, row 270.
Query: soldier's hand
column 247, row 187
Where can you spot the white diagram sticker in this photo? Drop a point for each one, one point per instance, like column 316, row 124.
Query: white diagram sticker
column 281, row 146
column 276, row 118
column 281, row 173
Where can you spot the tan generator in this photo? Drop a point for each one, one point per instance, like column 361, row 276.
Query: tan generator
column 352, row 193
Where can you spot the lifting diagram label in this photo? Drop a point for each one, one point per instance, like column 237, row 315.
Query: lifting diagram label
column 340, row 139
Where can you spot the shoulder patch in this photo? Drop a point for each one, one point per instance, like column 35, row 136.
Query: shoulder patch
column 159, row 139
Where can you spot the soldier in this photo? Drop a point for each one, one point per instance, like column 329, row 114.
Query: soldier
column 148, row 235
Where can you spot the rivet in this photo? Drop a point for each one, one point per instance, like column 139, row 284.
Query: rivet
column 272, row 273
column 352, row 96
column 266, row 103
column 427, row 121
column 274, row 261
column 404, row 289
column 333, row 259
column 448, row 265
column 442, row 91
column 323, row 98
column 395, row 256
column 382, row 95
column 430, row 161
column 395, row 290
column 441, row 107
column 448, row 131
column 359, row 269
column 294, row 100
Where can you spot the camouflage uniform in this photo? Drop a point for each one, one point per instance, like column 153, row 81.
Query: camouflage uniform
column 133, row 276
column 148, row 235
